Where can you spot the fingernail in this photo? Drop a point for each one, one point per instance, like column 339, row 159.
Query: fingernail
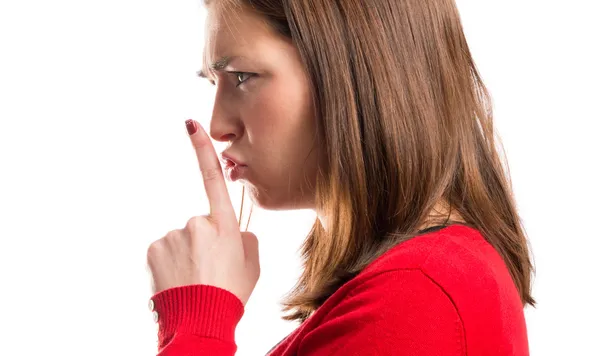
column 191, row 126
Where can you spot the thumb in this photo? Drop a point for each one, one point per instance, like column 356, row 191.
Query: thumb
column 250, row 242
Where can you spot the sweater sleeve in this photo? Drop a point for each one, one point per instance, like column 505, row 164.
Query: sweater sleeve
column 196, row 320
column 399, row 312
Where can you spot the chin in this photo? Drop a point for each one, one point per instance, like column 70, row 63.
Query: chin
column 273, row 201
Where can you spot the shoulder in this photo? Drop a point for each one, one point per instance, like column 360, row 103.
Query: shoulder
column 422, row 296
column 452, row 255
column 456, row 273
column 455, row 263
column 415, row 252
column 458, row 259
column 400, row 311
column 399, row 291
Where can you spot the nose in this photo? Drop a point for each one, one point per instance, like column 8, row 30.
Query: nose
column 225, row 124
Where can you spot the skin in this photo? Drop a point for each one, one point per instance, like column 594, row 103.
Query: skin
column 210, row 249
column 268, row 124
column 267, row 119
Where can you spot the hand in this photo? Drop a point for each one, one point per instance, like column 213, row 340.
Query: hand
column 210, row 249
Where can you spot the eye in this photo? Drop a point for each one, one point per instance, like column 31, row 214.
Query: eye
column 240, row 77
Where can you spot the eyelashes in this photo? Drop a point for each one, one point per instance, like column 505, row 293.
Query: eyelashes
column 239, row 75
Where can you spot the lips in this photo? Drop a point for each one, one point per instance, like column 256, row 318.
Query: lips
column 230, row 161
column 234, row 168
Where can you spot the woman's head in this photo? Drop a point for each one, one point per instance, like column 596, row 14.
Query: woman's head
column 262, row 107
column 373, row 113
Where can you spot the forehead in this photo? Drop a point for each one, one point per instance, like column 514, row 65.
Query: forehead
column 230, row 28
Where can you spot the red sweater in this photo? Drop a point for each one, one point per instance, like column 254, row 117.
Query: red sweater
column 446, row 293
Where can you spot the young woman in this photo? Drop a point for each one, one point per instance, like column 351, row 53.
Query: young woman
column 373, row 114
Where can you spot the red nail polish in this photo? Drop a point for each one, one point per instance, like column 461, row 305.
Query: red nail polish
column 191, row 126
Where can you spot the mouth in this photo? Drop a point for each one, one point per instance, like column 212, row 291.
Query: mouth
column 229, row 163
column 235, row 171
column 228, row 160
column 234, row 168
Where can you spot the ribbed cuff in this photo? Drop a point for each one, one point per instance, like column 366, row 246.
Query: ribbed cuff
column 199, row 309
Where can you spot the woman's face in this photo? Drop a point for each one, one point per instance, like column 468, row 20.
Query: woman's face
column 263, row 110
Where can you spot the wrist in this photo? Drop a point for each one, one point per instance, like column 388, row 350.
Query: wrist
column 201, row 310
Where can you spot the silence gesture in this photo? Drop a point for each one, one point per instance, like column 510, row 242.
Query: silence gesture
column 210, row 249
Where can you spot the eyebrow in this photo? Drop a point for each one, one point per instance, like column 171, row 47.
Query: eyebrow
column 217, row 66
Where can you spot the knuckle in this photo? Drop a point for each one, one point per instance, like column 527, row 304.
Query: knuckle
column 153, row 251
column 170, row 236
column 157, row 247
column 194, row 223
column 191, row 224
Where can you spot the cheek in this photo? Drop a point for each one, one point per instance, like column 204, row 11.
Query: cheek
column 281, row 131
column 281, row 109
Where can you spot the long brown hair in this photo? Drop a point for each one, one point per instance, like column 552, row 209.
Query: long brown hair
column 404, row 121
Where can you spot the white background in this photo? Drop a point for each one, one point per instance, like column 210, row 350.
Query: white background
column 95, row 164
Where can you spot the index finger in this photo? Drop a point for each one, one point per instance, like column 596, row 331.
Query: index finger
column 221, row 208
